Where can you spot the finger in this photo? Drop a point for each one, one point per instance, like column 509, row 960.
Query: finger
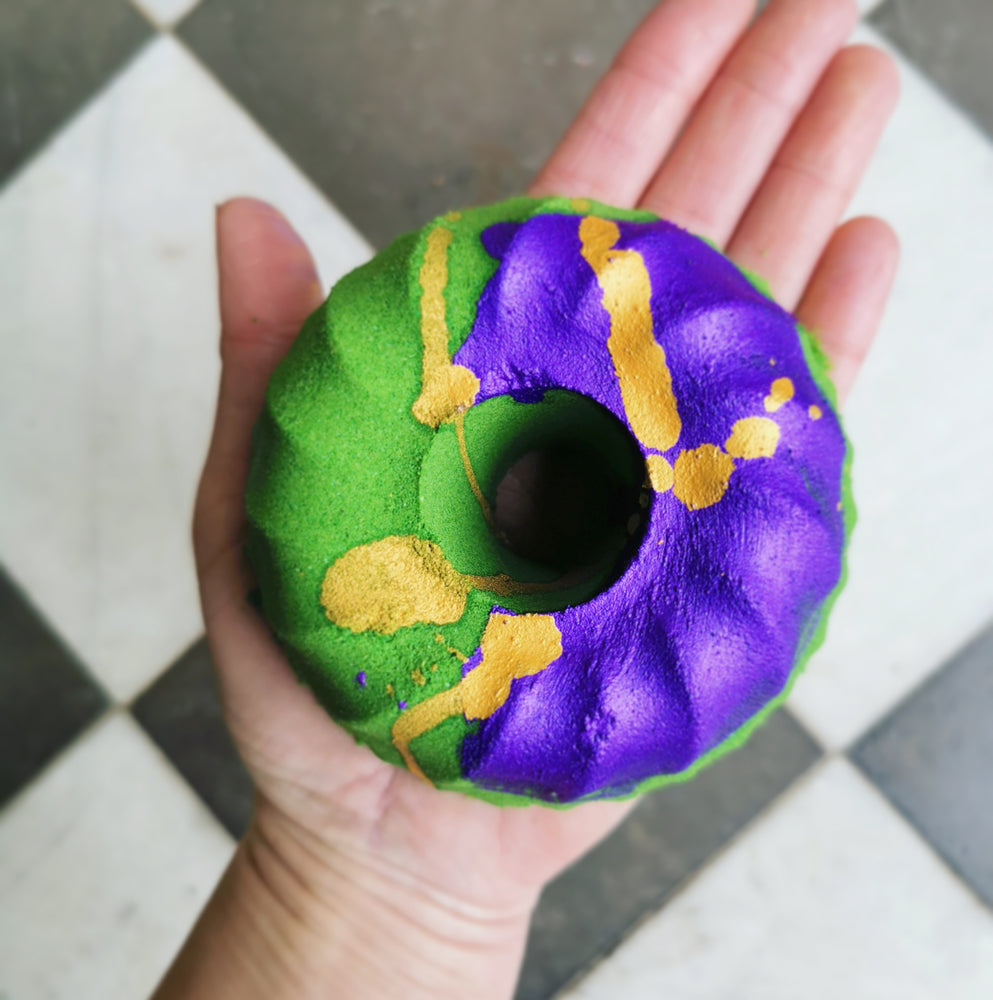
column 786, row 227
column 712, row 173
column 268, row 286
column 844, row 302
column 627, row 124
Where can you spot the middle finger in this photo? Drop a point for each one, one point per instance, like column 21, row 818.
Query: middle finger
column 716, row 166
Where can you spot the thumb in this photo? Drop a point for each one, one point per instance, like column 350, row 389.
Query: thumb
column 268, row 287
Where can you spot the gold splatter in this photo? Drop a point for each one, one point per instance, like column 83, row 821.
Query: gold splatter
column 815, row 412
column 839, row 506
column 702, row 476
column 580, row 204
column 417, row 676
column 434, row 667
column 453, row 217
column 779, row 395
column 753, row 437
column 404, row 580
column 513, row 646
column 389, row 690
column 639, row 360
column 772, row 361
column 660, row 473
column 398, row 581
column 451, row 650
column 445, row 388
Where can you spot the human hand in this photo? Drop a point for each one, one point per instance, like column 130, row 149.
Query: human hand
column 354, row 872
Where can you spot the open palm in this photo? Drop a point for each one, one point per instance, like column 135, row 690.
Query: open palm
column 753, row 135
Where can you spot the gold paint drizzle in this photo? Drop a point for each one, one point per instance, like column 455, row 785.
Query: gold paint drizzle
column 404, row 580
column 446, row 389
column 779, row 395
column 753, row 437
column 484, row 504
column 398, row 581
column 639, row 360
column 815, row 412
column 512, row 646
column 702, row 476
column 660, row 474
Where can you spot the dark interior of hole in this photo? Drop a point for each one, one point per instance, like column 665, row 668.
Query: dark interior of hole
column 559, row 507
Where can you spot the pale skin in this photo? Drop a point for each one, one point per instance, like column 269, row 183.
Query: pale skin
column 356, row 879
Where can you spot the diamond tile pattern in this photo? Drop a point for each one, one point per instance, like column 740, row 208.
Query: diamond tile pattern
column 105, row 862
column 671, row 833
column 46, row 697
column 181, row 711
column 53, row 57
column 830, row 896
column 934, row 758
column 952, row 42
column 398, row 110
column 401, row 110
column 110, row 365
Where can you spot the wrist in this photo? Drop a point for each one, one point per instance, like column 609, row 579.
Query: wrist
column 297, row 917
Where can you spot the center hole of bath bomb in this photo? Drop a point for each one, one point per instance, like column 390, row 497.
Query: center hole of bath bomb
column 558, row 506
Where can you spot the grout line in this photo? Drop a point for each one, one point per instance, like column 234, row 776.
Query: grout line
column 800, row 781
column 909, row 822
column 928, row 682
column 152, row 18
column 97, row 722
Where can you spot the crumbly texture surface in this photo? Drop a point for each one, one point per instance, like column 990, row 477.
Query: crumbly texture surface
column 387, row 428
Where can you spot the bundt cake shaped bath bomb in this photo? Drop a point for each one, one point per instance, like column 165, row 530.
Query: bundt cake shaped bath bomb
column 676, row 582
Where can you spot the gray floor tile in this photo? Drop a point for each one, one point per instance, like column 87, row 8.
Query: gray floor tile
column 181, row 711
column 53, row 56
column 933, row 756
column 46, row 697
column 672, row 832
column 951, row 41
column 401, row 109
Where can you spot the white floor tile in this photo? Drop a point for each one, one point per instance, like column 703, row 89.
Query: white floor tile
column 109, row 328
column 104, row 864
column 921, row 419
column 166, row 13
column 831, row 895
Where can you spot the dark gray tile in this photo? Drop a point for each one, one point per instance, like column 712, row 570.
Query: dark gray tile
column 181, row 711
column 46, row 697
column 672, row 832
column 952, row 42
column 933, row 757
column 53, row 56
column 401, row 109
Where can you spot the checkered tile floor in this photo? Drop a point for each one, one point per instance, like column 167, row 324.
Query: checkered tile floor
column 846, row 852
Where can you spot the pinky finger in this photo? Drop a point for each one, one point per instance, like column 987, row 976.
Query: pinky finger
column 844, row 301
